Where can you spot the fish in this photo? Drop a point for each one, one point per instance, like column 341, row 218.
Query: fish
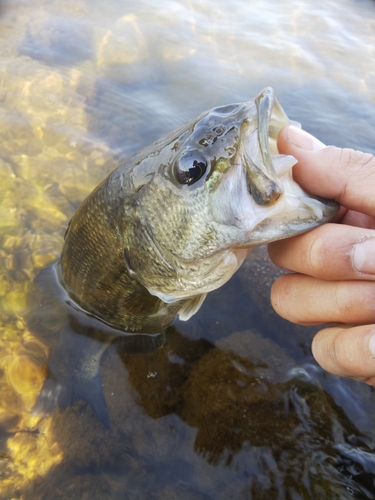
column 172, row 223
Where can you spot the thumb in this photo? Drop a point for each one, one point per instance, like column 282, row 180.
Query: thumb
column 345, row 175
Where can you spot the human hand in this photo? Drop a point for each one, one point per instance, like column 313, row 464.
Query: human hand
column 334, row 265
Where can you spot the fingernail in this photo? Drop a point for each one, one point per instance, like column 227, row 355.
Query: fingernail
column 302, row 139
column 371, row 345
column 363, row 257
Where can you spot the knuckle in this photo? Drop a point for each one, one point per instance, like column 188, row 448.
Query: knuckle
column 354, row 163
column 280, row 296
column 276, row 296
column 351, row 172
column 333, row 352
column 343, row 355
column 354, row 301
column 343, row 301
column 351, row 158
column 365, row 302
column 323, row 349
column 325, row 250
column 316, row 253
column 349, row 356
column 286, row 294
column 362, row 165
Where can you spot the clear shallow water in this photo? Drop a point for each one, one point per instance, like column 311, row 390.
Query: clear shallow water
column 233, row 405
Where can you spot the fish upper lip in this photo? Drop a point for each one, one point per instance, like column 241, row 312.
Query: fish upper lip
column 263, row 182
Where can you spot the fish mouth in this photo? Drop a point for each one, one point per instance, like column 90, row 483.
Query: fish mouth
column 266, row 203
column 262, row 180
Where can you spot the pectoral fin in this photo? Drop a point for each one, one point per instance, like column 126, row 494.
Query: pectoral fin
column 191, row 307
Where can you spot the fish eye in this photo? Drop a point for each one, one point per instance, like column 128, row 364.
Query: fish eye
column 190, row 167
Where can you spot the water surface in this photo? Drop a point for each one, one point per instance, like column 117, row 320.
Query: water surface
column 233, row 405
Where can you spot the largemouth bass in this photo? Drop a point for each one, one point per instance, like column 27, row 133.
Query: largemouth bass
column 171, row 224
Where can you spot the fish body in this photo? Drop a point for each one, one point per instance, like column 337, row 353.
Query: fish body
column 169, row 225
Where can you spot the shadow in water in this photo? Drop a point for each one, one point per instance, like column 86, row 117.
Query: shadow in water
column 60, row 40
column 175, row 410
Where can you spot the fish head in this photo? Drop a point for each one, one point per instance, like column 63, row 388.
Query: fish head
column 209, row 192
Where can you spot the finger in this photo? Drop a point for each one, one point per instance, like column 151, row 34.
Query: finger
column 307, row 301
column 330, row 252
column 347, row 352
column 344, row 175
column 353, row 218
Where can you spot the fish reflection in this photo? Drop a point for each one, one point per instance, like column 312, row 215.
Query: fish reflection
column 279, row 418
column 77, row 341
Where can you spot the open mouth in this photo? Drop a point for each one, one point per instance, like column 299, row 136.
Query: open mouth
column 269, row 173
column 262, row 179
column 266, row 202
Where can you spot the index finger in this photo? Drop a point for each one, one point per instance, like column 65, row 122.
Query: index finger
column 329, row 252
column 345, row 175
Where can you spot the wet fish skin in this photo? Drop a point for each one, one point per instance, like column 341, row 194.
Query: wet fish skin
column 150, row 241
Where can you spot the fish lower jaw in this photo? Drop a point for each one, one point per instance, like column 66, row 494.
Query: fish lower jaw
column 303, row 214
column 295, row 206
column 294, row 212
column 300, row 208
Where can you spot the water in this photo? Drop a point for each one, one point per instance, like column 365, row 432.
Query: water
column 233, row 406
